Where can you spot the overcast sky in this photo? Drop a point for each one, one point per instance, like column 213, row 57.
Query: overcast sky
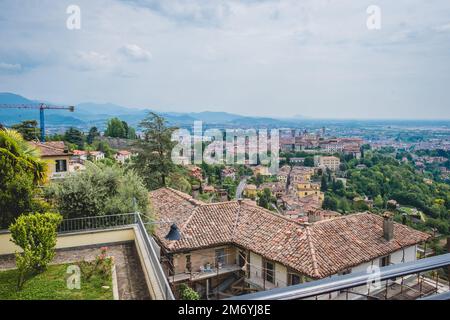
column 314, row 58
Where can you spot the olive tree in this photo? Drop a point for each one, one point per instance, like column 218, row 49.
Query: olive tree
column 99, row 190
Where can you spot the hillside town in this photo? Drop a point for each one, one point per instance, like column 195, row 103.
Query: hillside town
column 239, row 228
column 224, row 159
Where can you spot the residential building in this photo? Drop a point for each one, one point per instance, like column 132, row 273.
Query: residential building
column 320, row 215
column 297, row 161
column 75, row 166
column 277, row 188
column 353, row 150
column 79, row 155
column 228, row 173
column 238, row 242
column 283, row 173
column 195, row 172
column 122, row 156
column 208, row 189
column 96, row 155
column 261, row 170
column 327, row 162
column 250, row 191
column 299, row 174
column 307, row 188
column 57, row 157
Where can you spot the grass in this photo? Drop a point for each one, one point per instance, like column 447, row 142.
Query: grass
column 51, row 285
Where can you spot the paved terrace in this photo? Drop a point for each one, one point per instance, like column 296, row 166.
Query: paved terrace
column 131, row 285
column 140, row 275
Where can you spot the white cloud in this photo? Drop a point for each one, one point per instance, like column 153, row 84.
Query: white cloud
column 7, row 67
column 135, row 53
column 310, row 57
column 443, row 28
column 93, row 60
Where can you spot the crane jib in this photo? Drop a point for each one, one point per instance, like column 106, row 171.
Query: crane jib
column 41, row 107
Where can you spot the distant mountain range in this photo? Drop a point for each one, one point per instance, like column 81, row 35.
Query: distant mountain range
column 94, row 114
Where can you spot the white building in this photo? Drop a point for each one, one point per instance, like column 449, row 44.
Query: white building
column 122, row 156
column 329, row 162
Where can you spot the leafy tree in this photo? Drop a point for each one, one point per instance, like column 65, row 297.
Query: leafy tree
column 104, row 147
column 99, row 190
column 154, row 162
column 378, row 202
column 309, row 162
column 28, row 129
column 344, row 205
column 115, row 128
column 75, row 137
column 179, row 182
column 323, row 184
column 266, row 198
column 259, row 180
column 130, row 133
column 230, row 186
column 338, row 187
column 330, row 203
column 36, row 235
column 92, row 135
column 21, row 171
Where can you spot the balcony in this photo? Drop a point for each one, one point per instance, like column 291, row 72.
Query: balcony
column 59, row 175
column 204, row 273
column 425, row 279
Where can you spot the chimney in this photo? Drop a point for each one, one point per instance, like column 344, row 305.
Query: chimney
column 388, row 226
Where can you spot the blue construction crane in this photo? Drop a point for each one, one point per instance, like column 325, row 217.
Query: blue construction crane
column 41, row 107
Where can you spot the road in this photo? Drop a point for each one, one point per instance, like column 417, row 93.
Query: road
column 240, row 187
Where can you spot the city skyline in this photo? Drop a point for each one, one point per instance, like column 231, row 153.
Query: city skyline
column 262, row 58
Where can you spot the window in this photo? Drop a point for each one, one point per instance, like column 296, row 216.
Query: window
column 348, row 271
column 241, row 258
column 385, row 261
column 294, row 279
column 188, row 262
column 269, row 273
column 220, row 256
column 61, row 165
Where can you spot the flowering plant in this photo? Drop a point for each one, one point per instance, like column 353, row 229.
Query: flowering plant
column 101, row 266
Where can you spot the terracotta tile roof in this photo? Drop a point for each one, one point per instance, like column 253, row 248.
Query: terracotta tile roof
column 51, row 148
column 79, row 152
column 318, row 250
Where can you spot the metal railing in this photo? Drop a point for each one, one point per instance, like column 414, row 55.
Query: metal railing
column 152, row 250
column 97, row 222
column 345, row 282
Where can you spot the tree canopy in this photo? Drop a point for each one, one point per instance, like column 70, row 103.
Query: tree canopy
column 117, row 128
column 21, row 171
column 153, row 161
column 99, row 190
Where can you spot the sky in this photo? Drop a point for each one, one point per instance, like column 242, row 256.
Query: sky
column 286, row 58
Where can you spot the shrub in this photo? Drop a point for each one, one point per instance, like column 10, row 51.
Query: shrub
column 99, row 190
column 187, row 293
column 101, row 266
column 36, row 235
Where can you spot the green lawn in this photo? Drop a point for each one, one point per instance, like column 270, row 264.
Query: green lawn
column 51, row 285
